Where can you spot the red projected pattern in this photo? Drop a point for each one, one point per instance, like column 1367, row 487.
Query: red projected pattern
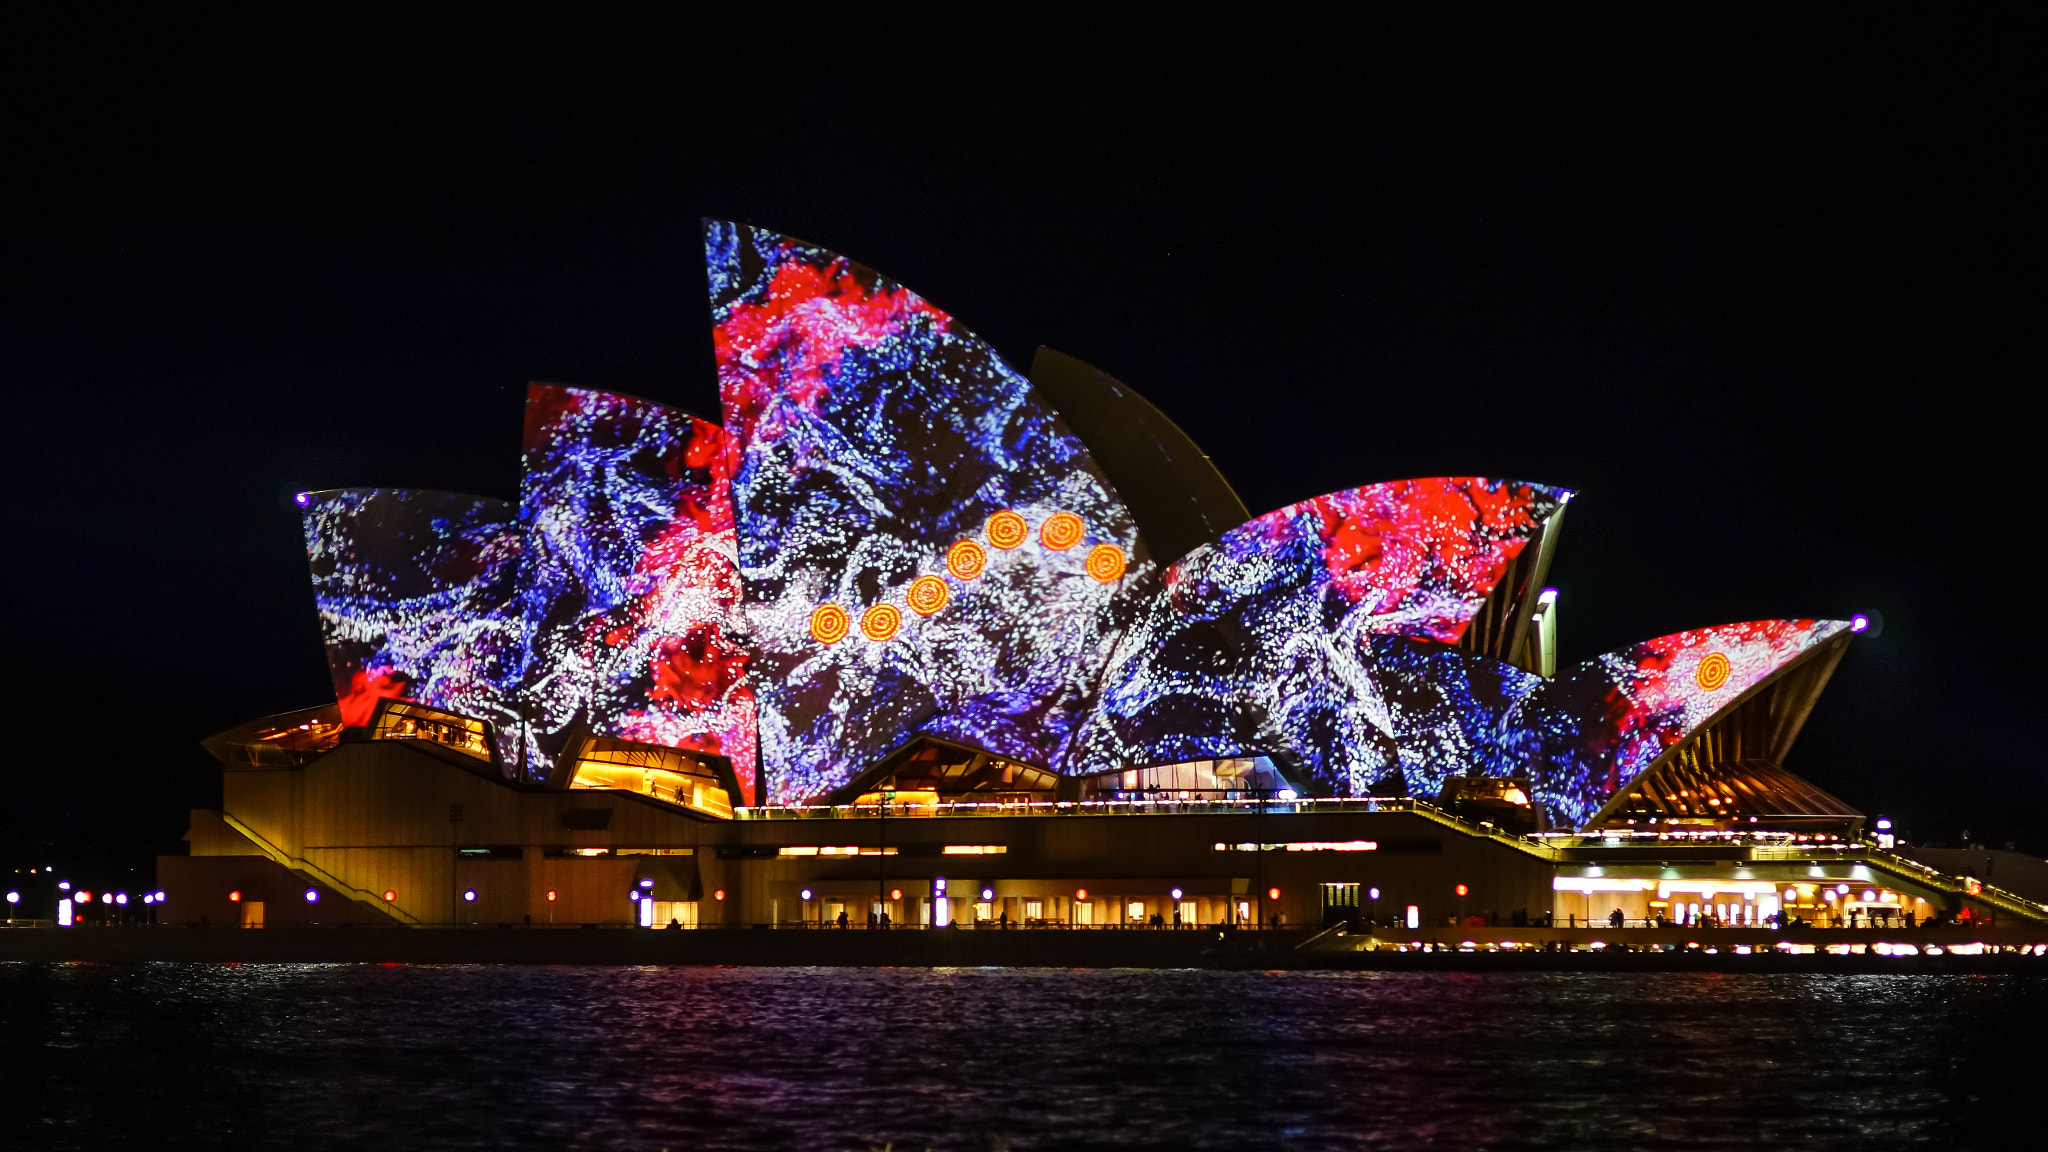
column 1263, row 642
column 1592, row 729
column 632, row 580
column 874, row 442
column 415, row 592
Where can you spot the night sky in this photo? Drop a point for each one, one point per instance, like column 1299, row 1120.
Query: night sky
column 1757, row 293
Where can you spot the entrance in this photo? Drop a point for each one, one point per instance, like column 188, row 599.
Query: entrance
column 1340, row 904
column 252, row 913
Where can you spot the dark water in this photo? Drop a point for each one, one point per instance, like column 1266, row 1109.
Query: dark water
column 332, row 1056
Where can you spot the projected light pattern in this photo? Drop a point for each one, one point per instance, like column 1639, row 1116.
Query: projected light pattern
column 875, row 441
column 894, row 536
column 1263, row 641
column 631, row 586
column 1595, row 727
column 612, row 600
column 1445, row 709
column 415, row 595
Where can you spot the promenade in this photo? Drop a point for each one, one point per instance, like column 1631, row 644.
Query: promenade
column 1497, row 949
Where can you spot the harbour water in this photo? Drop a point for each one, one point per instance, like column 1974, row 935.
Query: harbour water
column 310, row 1057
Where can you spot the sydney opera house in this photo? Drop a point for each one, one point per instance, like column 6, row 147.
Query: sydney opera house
column 910, row 633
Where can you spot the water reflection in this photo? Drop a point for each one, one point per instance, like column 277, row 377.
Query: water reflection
column 310, row 1057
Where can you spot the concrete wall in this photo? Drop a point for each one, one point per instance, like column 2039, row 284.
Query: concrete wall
column 374, row 817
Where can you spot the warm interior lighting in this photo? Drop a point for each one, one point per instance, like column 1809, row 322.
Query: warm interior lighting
column 404, row 720
column 665, row 774
column 975, row 849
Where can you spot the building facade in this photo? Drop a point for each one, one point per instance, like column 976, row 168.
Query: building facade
column 912, row 634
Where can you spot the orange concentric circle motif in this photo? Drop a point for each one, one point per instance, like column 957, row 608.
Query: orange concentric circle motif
column 1061, row 531
column 1712, row 672
column 829, row 623
column 966, row 559
column 1106, row 563
column 880, row 622
column 928, row 594
column 1006, row 530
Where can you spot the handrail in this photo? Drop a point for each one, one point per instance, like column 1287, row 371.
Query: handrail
column 1165, row 804
column 1934, row 878
column 300, row 864
column 1536, row 848
column 1334, row 929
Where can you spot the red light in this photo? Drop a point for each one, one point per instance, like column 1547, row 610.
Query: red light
column 1464, row 891
column 1272, row 893
column 551, row 895
column 85, row 897
column 895, row 893
column 1080, row 893
column 389, row 895
column 718, row 895
column 235, row 897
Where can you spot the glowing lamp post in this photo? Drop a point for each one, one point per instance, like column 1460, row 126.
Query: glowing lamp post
column 13, row 898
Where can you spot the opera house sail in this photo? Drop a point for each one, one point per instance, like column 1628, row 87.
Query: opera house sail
column 699, row 672
column 893, row 541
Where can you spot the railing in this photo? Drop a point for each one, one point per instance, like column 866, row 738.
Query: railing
column 298, row 864
column 1788, row 848
column 1139, row 804
column 1175, row 803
